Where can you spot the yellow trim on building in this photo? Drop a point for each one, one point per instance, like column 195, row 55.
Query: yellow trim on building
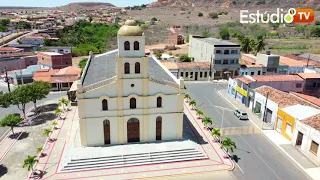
column 286, row 119
column 241, row 91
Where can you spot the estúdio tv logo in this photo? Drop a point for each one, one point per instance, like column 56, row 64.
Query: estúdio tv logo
column 293, row 15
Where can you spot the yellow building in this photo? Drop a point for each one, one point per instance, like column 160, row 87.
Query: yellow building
column 288, row 116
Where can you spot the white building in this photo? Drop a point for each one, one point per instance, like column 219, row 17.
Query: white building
column 36, row 40
column 126, row 97
column 223, row 55
column 59, row 49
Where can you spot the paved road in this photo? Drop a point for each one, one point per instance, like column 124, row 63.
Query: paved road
column 257, row 157
column 14, row 109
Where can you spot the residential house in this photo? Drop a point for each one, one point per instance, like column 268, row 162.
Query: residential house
column 23, row 76
column 298, row 65
column 17, row 61
column 312, row 83
column 269, row 61
column 53, row 60
column 248, row 65
column 10, row 50
column 60, row 79
column 175, row 39
column 59, row 49
column 36, row 40
column 288, row 116
column 189, row 71
column 306, row 137
column 223, row 55
column 25, row 47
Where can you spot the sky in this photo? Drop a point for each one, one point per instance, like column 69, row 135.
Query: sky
column 54, row 3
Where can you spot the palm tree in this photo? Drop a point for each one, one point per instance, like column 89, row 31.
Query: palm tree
column 216, row 133
column 199, row 113
column 228, row 144
column 260, row 45
column 64, row 102
column 54, row 123
column 193, row 104
column 206, row 121
column 39, row 149
column 187, row 97
column 58, row 112
column 29, row 162
column 47, row 132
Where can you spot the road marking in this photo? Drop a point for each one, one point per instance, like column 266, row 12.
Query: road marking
column 239, row 167
column 217, row 111
column 240, row 130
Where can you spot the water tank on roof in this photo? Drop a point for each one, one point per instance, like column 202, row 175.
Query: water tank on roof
column 268, row 52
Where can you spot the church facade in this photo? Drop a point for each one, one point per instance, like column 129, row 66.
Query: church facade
column 125, row 97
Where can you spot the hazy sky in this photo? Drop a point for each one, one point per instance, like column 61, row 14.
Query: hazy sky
column 53, row 3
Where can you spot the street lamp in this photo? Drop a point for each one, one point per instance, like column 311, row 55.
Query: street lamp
column 223, row 109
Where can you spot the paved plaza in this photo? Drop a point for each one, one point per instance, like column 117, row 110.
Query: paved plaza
column 65, row 140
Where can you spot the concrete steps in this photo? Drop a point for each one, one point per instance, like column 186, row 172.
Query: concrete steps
column 134, row 159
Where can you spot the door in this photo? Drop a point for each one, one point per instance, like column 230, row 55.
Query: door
column 269, row 116
column 106, row 129
column 299, row 139
column 133, row 131
column 158, row 128
column 196, row 76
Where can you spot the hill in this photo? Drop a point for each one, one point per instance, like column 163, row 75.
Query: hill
column 237, row 3
column 88, row 5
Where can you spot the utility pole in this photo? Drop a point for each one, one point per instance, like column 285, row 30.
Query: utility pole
column 7, row 79
column 210, row 68
column 265, row 111
column 308, row 61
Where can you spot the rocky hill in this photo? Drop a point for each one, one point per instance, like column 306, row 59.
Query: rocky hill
column 237, row 3
column 88, row 5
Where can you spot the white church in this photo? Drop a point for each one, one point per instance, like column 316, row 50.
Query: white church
column 124, row 96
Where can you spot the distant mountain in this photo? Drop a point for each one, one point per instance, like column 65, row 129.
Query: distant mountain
column 88, row 5
column 18, row 7
column 237, row 3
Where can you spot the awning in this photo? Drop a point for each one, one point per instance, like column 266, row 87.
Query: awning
column 226, row 72
column 74, row 86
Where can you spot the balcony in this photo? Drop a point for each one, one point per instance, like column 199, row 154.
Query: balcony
column 227, row 56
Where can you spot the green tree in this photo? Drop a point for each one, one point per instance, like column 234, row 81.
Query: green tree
column 29, row 163
column 185, row 58
column 315, row 31
column 90, row 19
column 228, row 144
column 158, row 55
column 47, row 132
column 22, row 95
column 260, row 44
column 187, row 39
column 199, row 113
column 274, row 26
column 54, row 123
column 154, row 19
column 11, row 121
column 213, row 15
column 5, row 99
column 246, row 43
column 206, row 121
column 39, row 149
column 4, row 22
column 144, row 26
column 38, row 91
column 58, row 112
column 216, row 133
column 206, row 34
column 193, row 104
column 187, row 97
column 63, row 102
column 24, row 25
column 200, row 14
column 83, row 63
column 224, row 33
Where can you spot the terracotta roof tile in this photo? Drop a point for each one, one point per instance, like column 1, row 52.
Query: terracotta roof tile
column 187, row 65
column 309, row 75
column 283, row 99
column 68, row 74
column 313, row 121
column 244, row 79
column 9, row 49
column 268, row 78
column 169, row 64
column 311, row 99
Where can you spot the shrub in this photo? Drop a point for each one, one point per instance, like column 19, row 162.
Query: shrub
column 154, row 19
column 144, row 26
column 224, row 33
column 220, row 13
column 226, row 13
column 213, row 15
column 170, row 48
column 185, row 58
column 155, row 51
column 317, row 23
column 200, row 14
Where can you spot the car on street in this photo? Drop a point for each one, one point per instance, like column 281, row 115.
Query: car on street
column 241, row 114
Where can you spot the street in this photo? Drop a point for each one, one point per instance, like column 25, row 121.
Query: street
column 14, row 109
column 257, row 158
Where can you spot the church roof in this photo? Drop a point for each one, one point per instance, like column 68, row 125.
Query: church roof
column 103, row 67
column 130, row 28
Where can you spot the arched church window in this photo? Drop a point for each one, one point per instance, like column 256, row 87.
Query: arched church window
column 137, row 68
column 126, row 68
column 104, row 105
column 133, row 103
column 127, row 45
column 136, row 45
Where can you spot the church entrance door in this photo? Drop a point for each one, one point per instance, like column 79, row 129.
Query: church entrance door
column 106, row 129
column 133, row 130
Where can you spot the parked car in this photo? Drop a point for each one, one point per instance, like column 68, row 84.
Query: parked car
column 241, row 114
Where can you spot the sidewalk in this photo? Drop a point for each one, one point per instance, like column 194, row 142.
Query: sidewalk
column 276, row 138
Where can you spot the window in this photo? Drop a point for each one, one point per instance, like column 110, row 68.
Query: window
column 279, row 124
column 226, row 51
column 201, row 74
column 259, row 72
column 289, row 129
column 205, row 74
column 252, row 73
column 65, row 85
column 104, row 105
column 159, row 102
column 137, row 68
column 54, row 85
column 126, row 68
column 318, row 85
column 246, row 73
column 191, row 73
column 237, row 61
column 187, row 74
column 217, row 74
column 225, row 61
column 127, row 45
column 298, row 85
column 314, row 147
column 314, row 85
column 133, row 103
column 136, row 45
column 218, row 51
column 231, row 61
column 217, row 62
column 181, row 74
column 234, row 51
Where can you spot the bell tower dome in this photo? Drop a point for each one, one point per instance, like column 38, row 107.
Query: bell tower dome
column 131, row 40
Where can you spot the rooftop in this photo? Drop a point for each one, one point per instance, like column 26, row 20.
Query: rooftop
column 103, row 66
column 301, row 112
column 9, row 49
column 50, row 53
column 218, row 42
column 276, row 78
column 313, row 121
column 309, row 75
column 68, row 74
column 311, row 99
column 283, row 99
column 169, row 64
column 244, row 79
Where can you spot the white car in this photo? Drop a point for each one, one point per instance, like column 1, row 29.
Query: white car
column 241, row 114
